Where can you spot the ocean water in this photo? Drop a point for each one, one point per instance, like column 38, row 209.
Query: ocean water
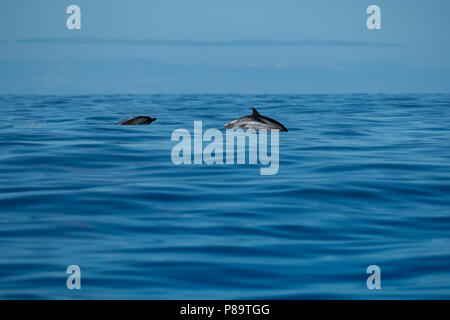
column 363, row 180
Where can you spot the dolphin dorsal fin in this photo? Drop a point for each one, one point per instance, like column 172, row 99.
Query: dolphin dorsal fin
column 255, row 113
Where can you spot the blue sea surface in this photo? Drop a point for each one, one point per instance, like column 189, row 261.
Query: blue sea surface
column 363, row 180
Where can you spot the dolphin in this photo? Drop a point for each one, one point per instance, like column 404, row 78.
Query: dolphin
column 137, row 121
column 255, row 121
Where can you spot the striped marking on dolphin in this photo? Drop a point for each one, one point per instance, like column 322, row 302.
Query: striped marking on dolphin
column 255, row 121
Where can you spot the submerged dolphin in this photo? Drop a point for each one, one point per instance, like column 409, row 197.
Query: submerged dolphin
column 255, row 121
column 137, row 121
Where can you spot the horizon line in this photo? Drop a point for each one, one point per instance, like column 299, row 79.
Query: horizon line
column 252, row 94
column 204, row 43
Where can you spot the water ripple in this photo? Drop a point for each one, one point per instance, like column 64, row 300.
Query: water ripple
column 363, row 179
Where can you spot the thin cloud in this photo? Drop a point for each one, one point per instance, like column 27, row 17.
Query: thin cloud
column 200, row 43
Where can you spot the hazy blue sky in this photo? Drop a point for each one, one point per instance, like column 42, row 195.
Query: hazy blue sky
column 210, row 46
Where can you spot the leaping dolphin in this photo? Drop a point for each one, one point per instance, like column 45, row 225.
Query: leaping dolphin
column 137, row 121
column 255, row 121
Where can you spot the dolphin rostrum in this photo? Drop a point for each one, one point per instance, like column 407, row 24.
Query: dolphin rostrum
column 255, row 121
column 137, row 121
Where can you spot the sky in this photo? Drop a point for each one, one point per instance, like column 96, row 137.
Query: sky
column 211, row 46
